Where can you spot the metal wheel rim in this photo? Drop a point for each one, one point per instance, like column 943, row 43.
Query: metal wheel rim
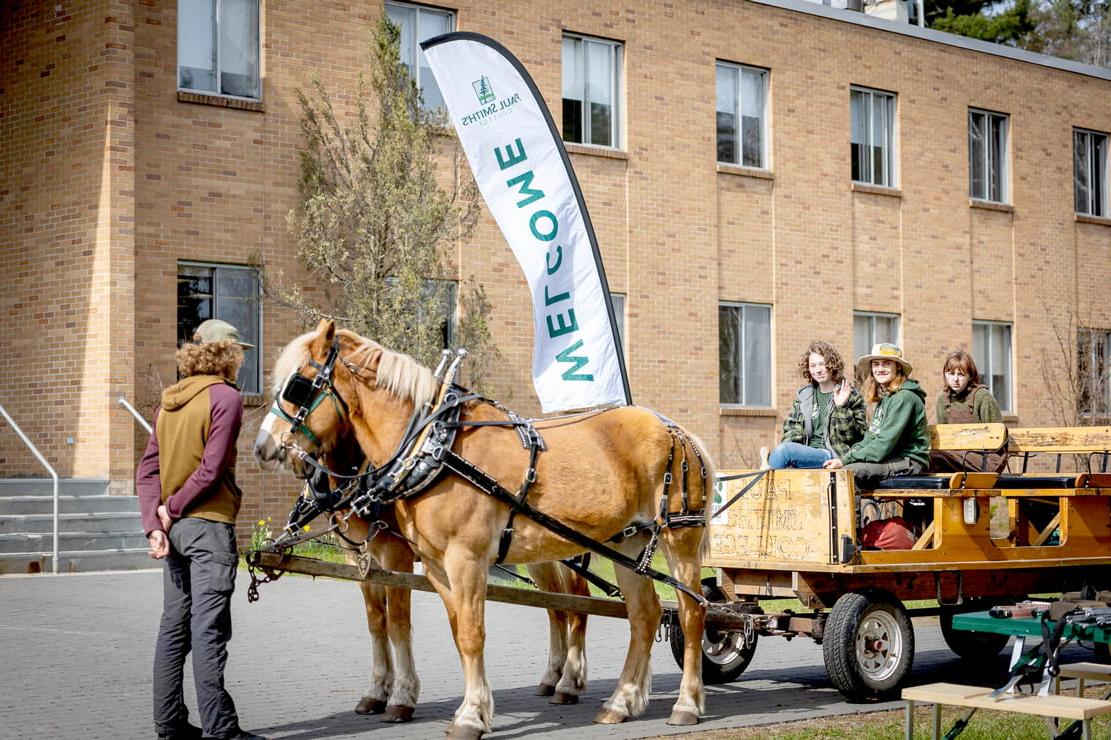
column 724, row 650
column 879, row 645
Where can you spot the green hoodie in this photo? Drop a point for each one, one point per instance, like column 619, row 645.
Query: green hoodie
column 898, row 429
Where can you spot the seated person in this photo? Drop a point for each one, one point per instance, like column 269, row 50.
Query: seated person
column 897, row 441
column 827, row 417
column 964, row 400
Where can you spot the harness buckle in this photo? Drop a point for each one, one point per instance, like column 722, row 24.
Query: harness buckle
column 530, row 476
column 667, row 478
column 630, row 531
column 438, row 453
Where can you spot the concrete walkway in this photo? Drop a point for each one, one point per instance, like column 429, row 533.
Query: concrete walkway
column 76, row 653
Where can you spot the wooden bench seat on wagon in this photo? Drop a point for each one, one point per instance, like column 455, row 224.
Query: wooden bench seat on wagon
column 977, row 697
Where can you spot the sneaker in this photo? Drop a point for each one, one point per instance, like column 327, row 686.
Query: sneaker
column 764, row 452
column 243, row 735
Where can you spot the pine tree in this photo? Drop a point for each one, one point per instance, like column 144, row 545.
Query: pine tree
column 384, row 200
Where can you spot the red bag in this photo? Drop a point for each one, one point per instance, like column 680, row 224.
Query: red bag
column 888, row 534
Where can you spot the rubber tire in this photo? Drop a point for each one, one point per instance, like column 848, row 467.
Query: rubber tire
column 972, row 645
column 839, row 645
column 715, row 670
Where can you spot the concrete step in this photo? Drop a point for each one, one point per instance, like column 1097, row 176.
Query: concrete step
column 104, row 521
column 78, row 561
column 20, row 505
column 45, row 487
column 71, row 542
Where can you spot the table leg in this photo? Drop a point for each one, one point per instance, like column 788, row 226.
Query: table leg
column 910, row 720
column 936, row 733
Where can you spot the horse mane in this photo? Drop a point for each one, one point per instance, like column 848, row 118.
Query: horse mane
column 398, row 373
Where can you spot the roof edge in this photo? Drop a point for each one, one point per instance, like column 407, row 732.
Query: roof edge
column 938, row 37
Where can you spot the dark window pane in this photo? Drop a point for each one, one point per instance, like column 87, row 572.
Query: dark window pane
column 600, row 123
column 752, row 146
column 572, row 120
column 727, row 137
column 977, row 188
column 729, row 354
column 1080, row 170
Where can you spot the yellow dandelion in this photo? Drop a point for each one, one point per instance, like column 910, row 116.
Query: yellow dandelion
column 308, row 528
column 262, row 522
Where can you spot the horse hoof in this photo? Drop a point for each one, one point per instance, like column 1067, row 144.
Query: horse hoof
column 463, row 733
column 545, row 689
column 682, row 718
column 563, row 698
column 610, row 717
column 398, row 713
column 370, row 705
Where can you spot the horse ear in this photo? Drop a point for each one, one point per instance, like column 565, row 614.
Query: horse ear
column 325, row 335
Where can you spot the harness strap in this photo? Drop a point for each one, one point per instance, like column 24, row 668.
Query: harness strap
column 486, row 484
column 522, row 495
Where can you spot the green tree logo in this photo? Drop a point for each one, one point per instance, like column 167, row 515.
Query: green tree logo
column 483, row 90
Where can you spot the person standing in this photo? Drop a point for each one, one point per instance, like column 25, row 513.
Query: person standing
column 826, row 418
column 965, row 400
column 188, row 501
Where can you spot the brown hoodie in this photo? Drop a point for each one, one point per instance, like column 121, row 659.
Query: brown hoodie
column 189, row 464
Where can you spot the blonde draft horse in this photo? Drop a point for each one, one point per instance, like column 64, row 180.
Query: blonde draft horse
column 394, row 685
column 600, row 474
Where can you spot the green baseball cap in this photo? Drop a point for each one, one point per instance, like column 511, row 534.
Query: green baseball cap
column 216, row 330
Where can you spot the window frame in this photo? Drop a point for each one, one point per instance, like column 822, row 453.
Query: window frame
column 617, row 119
column 891, row 135
column 214, row 266
column 738, row 114
column 742, row 381
column 1004, row 175
column 1006, row 405
column 217, row 42
column 413, row 64
column 1100, row 209
column 872, row 316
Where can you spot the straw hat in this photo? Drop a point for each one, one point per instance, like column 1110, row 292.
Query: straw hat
column 215, row 330
column 883, row 351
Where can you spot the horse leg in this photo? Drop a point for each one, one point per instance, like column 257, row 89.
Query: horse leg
column 634, row 686
column 396, row 555
column 381, row 665
column 565, row 678
column 461, row 583
column 682, row 548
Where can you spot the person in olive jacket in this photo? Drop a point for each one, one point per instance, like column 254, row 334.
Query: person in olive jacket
column 827, row 416
column 897, row 441
column 188, row 501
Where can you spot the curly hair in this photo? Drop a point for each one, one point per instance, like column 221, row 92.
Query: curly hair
column 834, row 363
column 221, row 358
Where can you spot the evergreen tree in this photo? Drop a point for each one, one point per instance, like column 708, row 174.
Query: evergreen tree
column 384, row 201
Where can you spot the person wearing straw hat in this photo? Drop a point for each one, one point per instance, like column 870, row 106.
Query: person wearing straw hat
column 188, row 502
column 897, row 441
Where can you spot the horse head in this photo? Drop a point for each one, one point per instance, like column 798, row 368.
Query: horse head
column 337, row 385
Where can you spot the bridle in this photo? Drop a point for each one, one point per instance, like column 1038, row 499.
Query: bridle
column 308, row 393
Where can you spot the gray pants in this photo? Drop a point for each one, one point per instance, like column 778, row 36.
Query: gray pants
column 867, row 475
column 198, row 582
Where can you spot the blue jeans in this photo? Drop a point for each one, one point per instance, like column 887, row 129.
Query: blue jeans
column 795, row 455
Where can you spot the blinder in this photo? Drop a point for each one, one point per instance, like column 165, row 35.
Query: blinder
column 308, row 393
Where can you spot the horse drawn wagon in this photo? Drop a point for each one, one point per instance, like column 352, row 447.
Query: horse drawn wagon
column 796, row 534
column 783, row 534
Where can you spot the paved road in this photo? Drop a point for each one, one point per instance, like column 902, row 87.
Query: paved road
column 75, row 652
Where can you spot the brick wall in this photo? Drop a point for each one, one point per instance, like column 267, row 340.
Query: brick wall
column 102, row 145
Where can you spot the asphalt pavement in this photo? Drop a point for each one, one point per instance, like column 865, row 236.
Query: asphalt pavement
column 76, row 652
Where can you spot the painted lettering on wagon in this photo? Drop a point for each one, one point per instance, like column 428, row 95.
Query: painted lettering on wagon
column 775, row 547
column 544, row 227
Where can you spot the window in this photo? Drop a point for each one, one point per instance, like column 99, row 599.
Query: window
column 1094, row 369
column 1090, row 172
column 742, row 98
column 745, row 354
column 618, row 300
column 873, row 137
column 591, row 91
column 228, row 292
column 417, row 24
column 991, row 349
column 218, row 47
column 873, row 328
column 987, row 156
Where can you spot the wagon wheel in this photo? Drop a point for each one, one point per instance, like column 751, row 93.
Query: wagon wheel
column 868, row 645
column 725, row 654
column 972, row 645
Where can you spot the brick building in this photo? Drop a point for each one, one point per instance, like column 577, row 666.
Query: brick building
column 760, row 173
